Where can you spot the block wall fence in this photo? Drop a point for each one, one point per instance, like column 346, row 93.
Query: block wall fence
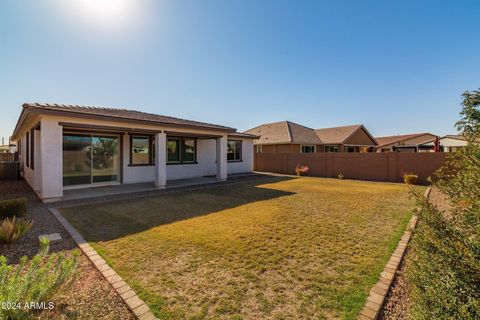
column 388, row 167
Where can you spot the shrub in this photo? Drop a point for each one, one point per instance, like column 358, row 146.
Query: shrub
column 444, row 261
column 341, row 176
column 33, row 281
column 410, row 178
column 13, row 207
column 12, row 229
column 301, row 170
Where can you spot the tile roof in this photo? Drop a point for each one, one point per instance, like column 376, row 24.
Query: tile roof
column 124, row 114
column 382, row 141
column 284, row 132
column 336, row 135
column 455, row 136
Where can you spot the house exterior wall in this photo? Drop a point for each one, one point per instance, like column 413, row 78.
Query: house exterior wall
column 360, row 138
column 47, row 178
column 246, row 165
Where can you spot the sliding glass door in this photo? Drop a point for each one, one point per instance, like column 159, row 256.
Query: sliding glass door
column 90, row 159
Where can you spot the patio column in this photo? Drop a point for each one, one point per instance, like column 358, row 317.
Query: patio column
column 160, row 160
column 51, row 154
column 221, row 158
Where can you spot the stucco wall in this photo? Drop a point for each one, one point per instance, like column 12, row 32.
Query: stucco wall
column 246, row 165
column 49, row 154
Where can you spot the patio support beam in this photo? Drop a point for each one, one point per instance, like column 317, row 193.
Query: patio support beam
column 160, row 160
column 221, row 158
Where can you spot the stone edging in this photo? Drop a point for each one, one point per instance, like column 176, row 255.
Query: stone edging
column 377, row 295
column 133, row 302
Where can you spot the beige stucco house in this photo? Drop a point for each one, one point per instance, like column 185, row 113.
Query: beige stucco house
column 290, row 137
column 451, row 143
column 65, row 147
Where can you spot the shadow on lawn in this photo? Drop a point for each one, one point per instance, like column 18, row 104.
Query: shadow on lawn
column 116, row 219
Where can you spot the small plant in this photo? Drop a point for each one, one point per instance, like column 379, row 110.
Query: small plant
column 410, row 178
column 301, row 170
column 33, row 281
column 341, row 176
column 13, row 207
column 12, row 229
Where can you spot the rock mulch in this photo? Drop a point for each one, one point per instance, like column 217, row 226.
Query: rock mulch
column 89, row 296
column 397, row 301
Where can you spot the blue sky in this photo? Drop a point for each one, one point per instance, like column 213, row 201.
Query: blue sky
column 395, row 66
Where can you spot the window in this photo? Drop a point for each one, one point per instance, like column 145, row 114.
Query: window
column 234, row 150
column 351, row 149
column 258, row 149
column 141, row 150
column 27, row 153
column 188, row 154
column 181, row 150
column 32, row 149
column 307, row 149
column 173, row 150
column 331, row 148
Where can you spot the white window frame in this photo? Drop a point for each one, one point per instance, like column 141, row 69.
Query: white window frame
column 258, row 149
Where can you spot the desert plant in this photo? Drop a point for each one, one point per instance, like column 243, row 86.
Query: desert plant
column 410, row 178
column 444, row 261
column 12, row 229
column 13, row 207
column 301, row 170
column 33, row 281
column 341, row 176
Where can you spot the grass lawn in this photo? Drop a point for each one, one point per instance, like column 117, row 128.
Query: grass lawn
column 275, row 248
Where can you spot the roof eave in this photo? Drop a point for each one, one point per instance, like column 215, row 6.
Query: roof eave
column 35, row 110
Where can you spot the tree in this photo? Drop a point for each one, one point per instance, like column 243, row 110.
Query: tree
column 444, row 264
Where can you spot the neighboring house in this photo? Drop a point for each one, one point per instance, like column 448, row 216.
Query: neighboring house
column 354, row 138
column 416, row 142
column 451, row 143
column 68, row 146
column 5, row 149
column 290, row 137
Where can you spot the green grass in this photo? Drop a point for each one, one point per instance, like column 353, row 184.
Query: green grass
column 273, row 249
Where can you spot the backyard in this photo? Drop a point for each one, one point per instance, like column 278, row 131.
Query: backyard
column 274, row 248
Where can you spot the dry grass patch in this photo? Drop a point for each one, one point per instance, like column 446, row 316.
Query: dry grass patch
column 272, row 249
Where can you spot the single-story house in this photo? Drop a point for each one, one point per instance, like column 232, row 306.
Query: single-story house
column 415, row 142
column 5, row 149
column 451, row 143
column 290, row 137
column 69, row 146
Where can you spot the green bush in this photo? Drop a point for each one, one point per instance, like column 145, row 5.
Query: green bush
column 444, row 260
column 13, row 207
column 33, row 281
column 12, row 229
column 410, row 178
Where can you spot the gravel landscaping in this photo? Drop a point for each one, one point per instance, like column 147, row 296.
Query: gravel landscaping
column 89, row 296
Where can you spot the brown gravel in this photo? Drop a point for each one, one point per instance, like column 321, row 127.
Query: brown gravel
column 397, row 301
column 88, row 296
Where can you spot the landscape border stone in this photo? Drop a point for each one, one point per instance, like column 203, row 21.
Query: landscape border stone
column 376, row 297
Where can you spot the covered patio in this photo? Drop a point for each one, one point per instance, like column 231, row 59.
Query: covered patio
column 113, row 190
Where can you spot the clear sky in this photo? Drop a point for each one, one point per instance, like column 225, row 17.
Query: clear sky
column 395, row 66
